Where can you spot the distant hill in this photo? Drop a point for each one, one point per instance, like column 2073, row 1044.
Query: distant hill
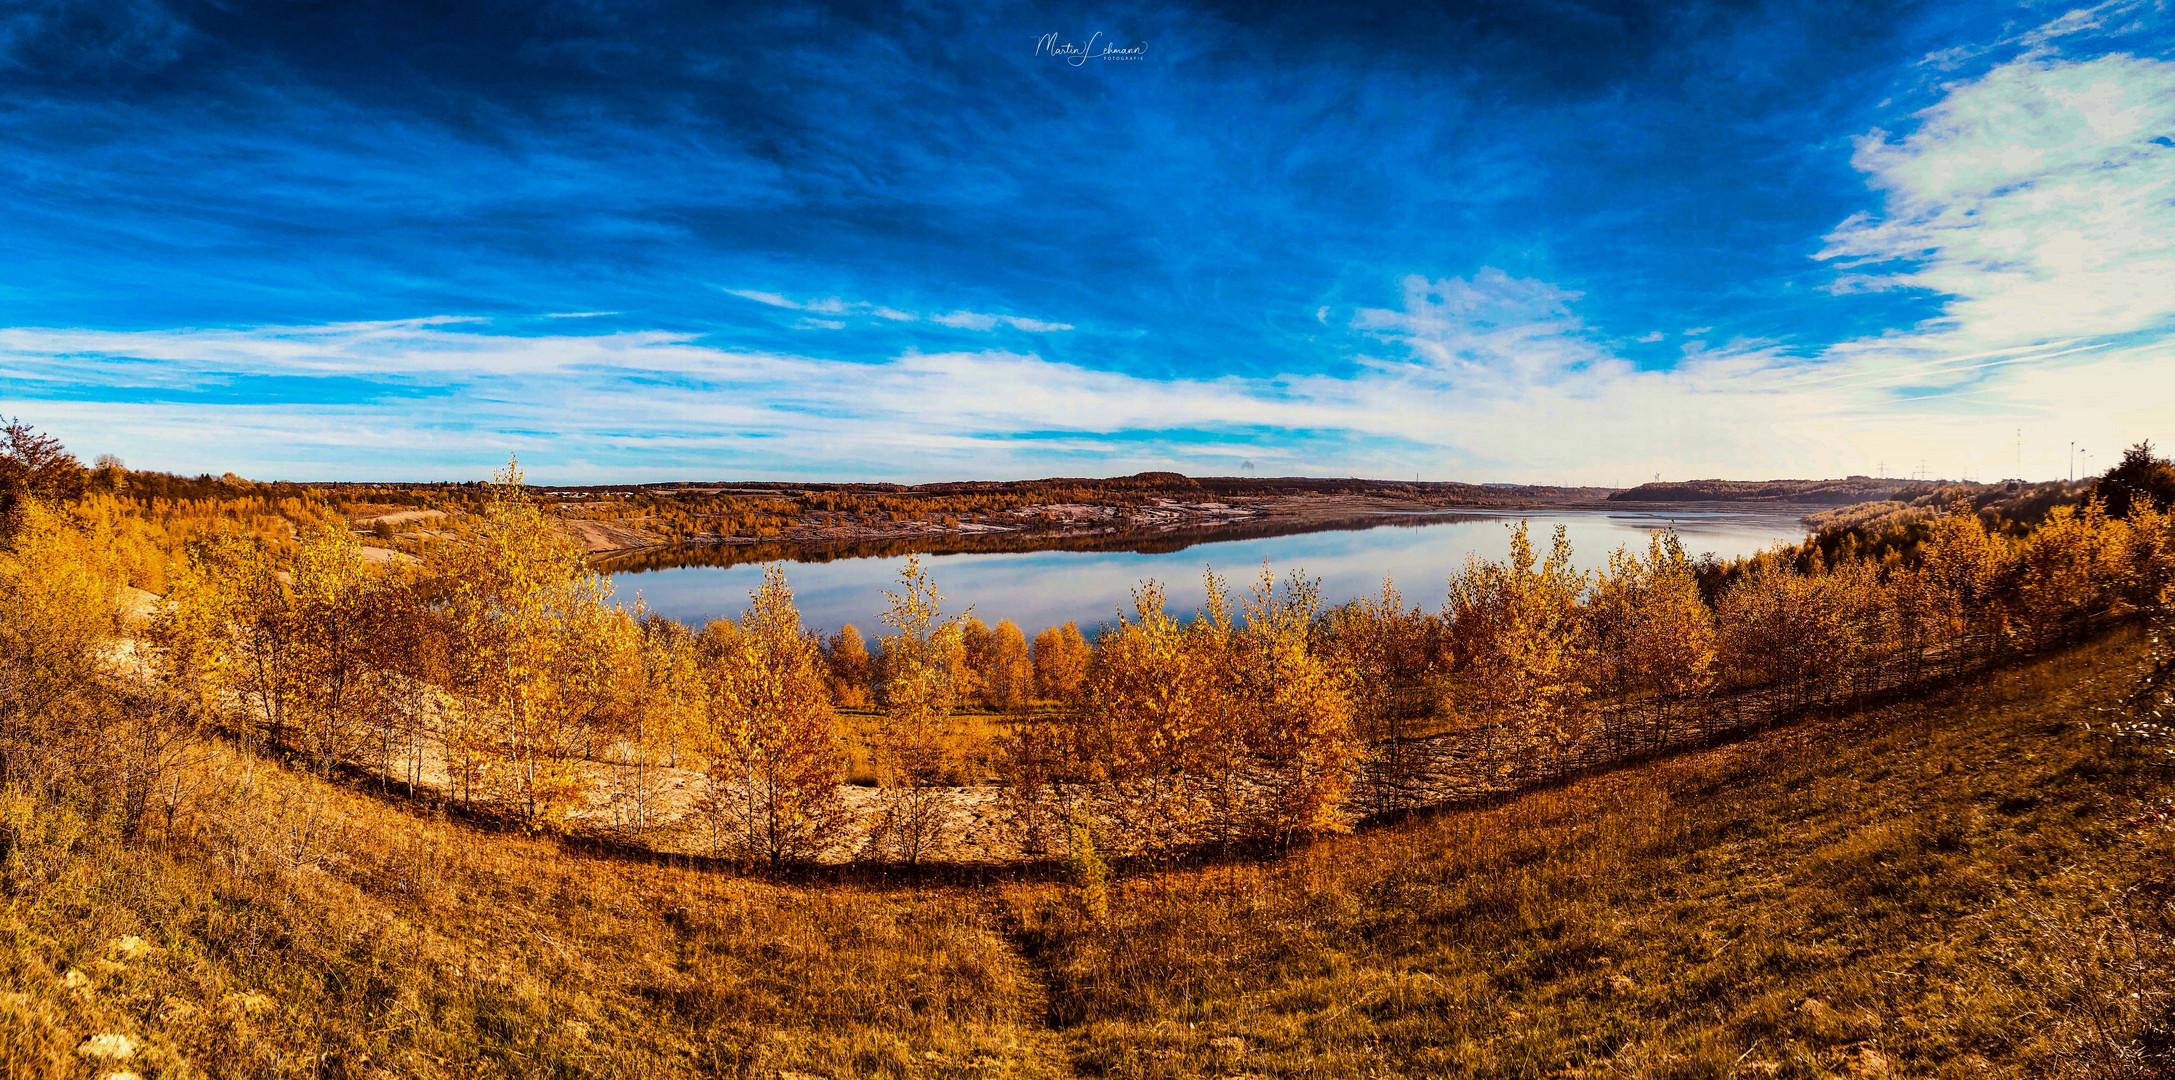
column 1853, row 489
column 1060, row 488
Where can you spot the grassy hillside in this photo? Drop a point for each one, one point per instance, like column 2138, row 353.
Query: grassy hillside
column 1915, row 905
column 295, row 928
column 1925, row 904
column 1850, row 490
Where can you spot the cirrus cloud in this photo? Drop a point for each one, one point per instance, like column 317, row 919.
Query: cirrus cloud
column 2037, row 201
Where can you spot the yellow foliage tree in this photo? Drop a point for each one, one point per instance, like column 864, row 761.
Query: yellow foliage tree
column 1008, row 676
column 339, row 697
column 1149, row 735
column 1292, row 714
column 1652, row 636
column 665, row 722
column 1786, row 631
column 915, row 752
column 2071, row 567
column 1060, row 660
column 968, row 660
column 2147, row 557
column 851, row 669
column 229, row 633
column 1385, row 653
column 773, row 741
column 1963, row 567
column 77, row 720
column 58, row 618
column 541, row 659
column 1520, row 645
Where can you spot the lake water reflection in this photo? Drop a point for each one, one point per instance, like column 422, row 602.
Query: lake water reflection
column 1045, row 588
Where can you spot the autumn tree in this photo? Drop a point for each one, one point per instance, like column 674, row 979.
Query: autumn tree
column 1223, row 729
column 2139, row 481
column 1292, row 713
column 771, row 737
column 2146, row 559
column 1519, row 645
column 541, row 656
column 1031, row 753
column 1865, row 611
column 1759, row 627
column 2067, row 570
column 339, row 699
column 411, row 658
column 1385, row 654
column 1150, row 735
column 229, row 633
column 1060, row 661
column 1652, row 635
column 1612, row 613
column 1912, row 623
column 968, row 659
column 664, row 723
column 57, row 617
column 915, row 755
column 1007, row 675
column 35, row 467
column 1964, row 567
column 846, row 654
column 1788, row 631
column 78, row 721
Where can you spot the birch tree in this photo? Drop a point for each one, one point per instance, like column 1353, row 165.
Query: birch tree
column 772, row 738
column 527, row 618
column 915, row 755
column 1520, row 645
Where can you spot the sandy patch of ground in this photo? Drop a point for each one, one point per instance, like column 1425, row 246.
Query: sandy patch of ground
column 138, row 607
column 667, row 816
column 401, row 517
column 599, row 536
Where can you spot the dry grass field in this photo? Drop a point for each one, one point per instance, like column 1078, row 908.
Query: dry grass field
column 1919, row 891
column 300, row 929
column 1932, row 889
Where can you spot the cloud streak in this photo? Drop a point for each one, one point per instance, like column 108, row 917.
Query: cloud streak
column 958, row 320
column 2024, row 226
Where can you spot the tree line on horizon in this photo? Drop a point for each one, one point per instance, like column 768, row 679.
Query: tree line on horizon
column 1264, row 718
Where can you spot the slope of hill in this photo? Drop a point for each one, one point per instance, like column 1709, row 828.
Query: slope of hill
column 1947, row 899
column 2020, row 503
column 1770, row 908
column 1853, row 489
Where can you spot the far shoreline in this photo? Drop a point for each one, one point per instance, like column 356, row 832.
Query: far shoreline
column 1162, row 537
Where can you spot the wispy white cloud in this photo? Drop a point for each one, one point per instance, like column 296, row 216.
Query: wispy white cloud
column 1472, row 384
column 770, row 298
column 2080, row 20
column 2034, row 199
column 2039, row 200
column 958, row 320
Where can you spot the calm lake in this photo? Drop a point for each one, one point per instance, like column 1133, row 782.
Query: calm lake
column 1043, row 588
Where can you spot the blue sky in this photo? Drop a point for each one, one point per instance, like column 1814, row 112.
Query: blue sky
column 1548, row 241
